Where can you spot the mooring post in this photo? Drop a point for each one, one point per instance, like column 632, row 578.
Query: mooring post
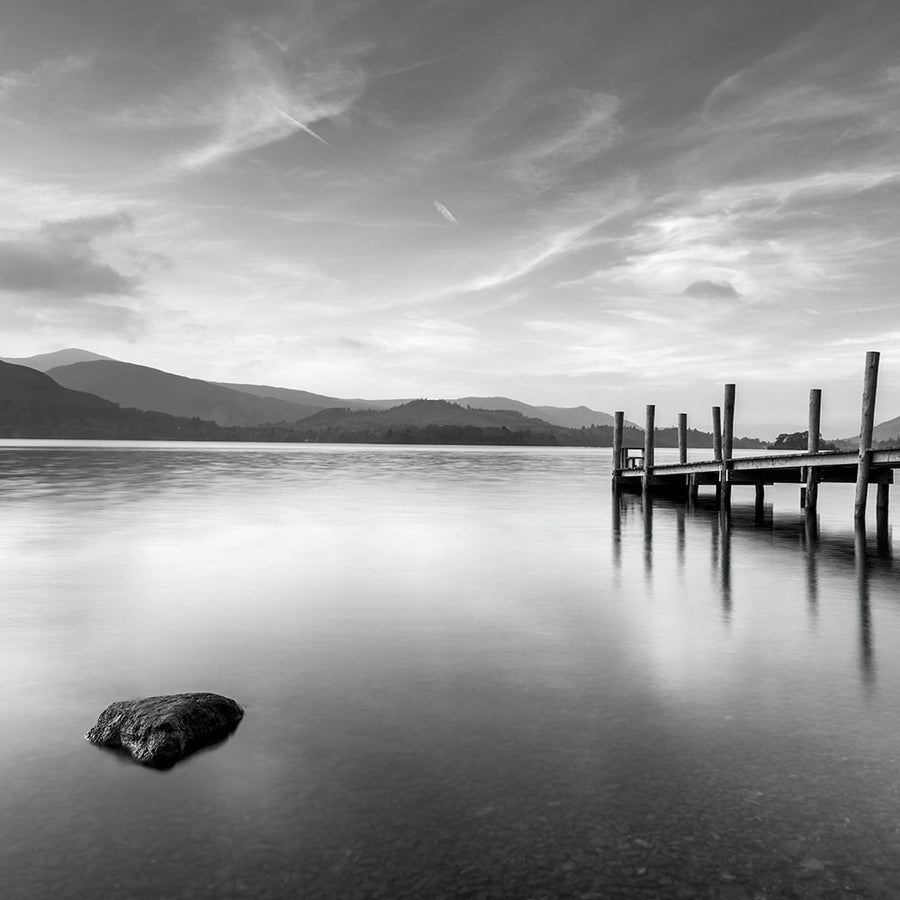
column 649, row 426
column 618, row 441
column 717, row 433
column 812, row 446
column 717, row 447
column 682, row 438
column 727, row 444
column 867, row 424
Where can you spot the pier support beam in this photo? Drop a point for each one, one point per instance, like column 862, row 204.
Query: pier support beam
column 727, row 444
column 867, row 424
column 812, row 446
column 760, row 505
column 649, row 428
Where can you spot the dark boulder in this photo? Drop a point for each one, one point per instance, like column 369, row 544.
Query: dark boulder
column 159, row 731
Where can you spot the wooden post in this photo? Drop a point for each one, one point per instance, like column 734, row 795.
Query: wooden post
column 760, row 500
column 727, row 443
column 682, row 438
column 649, row 426
column 867, row 424
column 618, row 440
column 812, row 446
column 717, row 433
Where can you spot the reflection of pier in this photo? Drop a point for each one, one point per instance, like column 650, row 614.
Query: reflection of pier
column 683, row 479
column 847, row 551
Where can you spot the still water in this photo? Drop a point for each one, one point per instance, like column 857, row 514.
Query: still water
column 467, row 672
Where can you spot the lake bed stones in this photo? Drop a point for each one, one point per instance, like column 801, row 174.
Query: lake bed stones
column 160, row 731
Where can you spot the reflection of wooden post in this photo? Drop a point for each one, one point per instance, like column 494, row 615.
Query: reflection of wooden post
column 882, row 503
column 649, row 426
column 812, row 446
column 727, row 443
column 682, row 438
column 618, row 441
column 867, row 424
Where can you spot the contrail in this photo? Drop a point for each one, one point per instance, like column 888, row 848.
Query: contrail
column 445, row 212
column 301, row 126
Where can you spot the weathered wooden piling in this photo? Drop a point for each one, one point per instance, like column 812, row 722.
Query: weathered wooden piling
column 717, row 446
column 682, row 438
column 618, row 442
column 866, row 427
column 717, row 433
column 649, row 428
column 812, row 446
column 727, row 443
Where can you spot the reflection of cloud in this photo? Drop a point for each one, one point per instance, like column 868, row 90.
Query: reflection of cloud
column 712, row 290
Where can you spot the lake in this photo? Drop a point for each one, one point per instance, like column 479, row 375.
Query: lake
column 467, row 672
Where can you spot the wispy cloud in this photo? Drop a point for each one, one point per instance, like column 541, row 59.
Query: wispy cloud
column 252, row 91
column 445, row 212
column 16, row 80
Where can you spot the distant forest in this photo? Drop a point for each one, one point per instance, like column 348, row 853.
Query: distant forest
column 114, row 423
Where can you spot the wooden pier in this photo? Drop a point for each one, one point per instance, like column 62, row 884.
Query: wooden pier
column 634, row 468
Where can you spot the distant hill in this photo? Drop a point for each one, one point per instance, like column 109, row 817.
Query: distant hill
column 566, row 417
column 422, row 413
column 152, row 389
column 33, row 405
column 44, row 361
column 887, row 433
column 321, row 401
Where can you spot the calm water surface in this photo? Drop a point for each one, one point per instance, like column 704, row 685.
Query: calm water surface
column 467, row 673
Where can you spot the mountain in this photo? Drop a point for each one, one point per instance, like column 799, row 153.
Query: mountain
column 44, row 361
column 33, row 405
column 309, row 399
column 144, row 388
column 887, row 433
column 565, row 417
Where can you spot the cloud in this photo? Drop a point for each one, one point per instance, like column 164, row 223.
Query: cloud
column 60, row 259
column 250, row 92
column 15, row 80
column 712, row 290
column 445, row 212
column 574, row 126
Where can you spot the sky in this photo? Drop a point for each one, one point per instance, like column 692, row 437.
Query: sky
column 598, row 202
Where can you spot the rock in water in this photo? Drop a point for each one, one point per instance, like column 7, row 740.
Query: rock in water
column 159, row 731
